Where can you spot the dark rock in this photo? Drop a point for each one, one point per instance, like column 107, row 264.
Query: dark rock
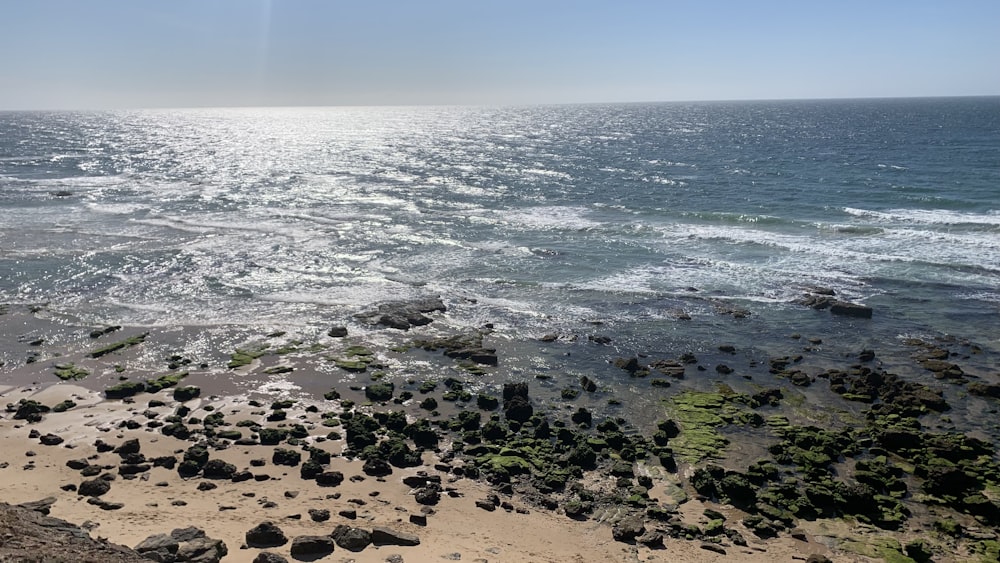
column 30, row 410
column 628, row 528
column 50, row 440
column 105, row 505
column 377, row 467
column 330, row 478
column 266, row 534
column 202, row 550
column 418, row 519
column 818, row 302
column 350, row 514
column 651, row 539
column 851, row 310
column 379, row 392
column 387, row 536
column 187, row 534
column 159, row 547
column 991, row 390
column 133, row 468
column 94, row 487
column 817, row 558
column 284, row 456
column 318, row 546
column 218, row 469
column 337, row 332
column 403, row 315
column 708, row 546
column 351, row 539
column 588, row 384
column 128, row 447
column 184, row 394
column 427, row 496
column 268, row 557
column 77, row 464
column 516, row 404
column 319, row 514
column 421, row 479
column 43, row 506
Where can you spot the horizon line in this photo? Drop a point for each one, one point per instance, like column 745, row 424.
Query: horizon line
column 498, row 105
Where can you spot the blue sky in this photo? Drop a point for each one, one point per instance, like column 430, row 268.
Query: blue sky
column 68, row 54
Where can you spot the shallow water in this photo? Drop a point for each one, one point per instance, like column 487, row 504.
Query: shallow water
column 599, row 220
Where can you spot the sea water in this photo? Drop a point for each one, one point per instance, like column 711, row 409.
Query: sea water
column 648, row 224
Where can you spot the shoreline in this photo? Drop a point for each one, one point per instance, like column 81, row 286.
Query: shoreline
column 507, row 458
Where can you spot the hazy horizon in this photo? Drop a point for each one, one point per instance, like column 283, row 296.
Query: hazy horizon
column 112, row 54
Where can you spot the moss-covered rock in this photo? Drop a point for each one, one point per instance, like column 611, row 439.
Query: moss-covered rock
column 379, row 392
column 124, row 389
column 67, row 371
column 184, row 394
column 165, row 381
column 121, row 345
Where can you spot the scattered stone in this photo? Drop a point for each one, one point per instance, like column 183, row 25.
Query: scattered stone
column 266, row 534
column 94, row 487
column 50, row 440
column 319, row 514
column 628, row 528
column 708, row 546
column 351, row 539
column 387, row 536
column 312, row 546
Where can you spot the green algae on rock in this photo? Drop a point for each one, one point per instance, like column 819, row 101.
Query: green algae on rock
column 127, row 343
column 67, row 371
column 245, row 356
column 696, row 413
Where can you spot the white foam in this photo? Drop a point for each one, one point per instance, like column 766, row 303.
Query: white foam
column 551, row 217
column 929, row 216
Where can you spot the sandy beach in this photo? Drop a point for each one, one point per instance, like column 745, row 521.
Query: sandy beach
column 172, row 449
column 160, row 499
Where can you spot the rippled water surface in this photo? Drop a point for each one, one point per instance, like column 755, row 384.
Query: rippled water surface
column 537, row 219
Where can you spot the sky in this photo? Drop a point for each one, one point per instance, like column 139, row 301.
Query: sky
column 105, row 54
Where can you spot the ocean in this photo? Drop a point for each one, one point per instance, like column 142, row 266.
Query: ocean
column 666, row 228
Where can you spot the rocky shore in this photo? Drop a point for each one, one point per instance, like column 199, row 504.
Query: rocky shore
column 787, row 459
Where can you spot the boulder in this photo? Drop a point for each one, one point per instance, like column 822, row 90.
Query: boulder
column 312, row 546
column 94, row 487
column 403, row 315
column 266, row 534
column 268, row 557
column 319, row 514
column 628, row 528
column 159, row 547
column 50, row 440
column 218, row 469
column 330, row 478
column 377, row 467
column 128, row 447
column 284, row 456
column 351, row 539
column 387, row 536
column 202, row 550
column 846, row 309
column 43, row 506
